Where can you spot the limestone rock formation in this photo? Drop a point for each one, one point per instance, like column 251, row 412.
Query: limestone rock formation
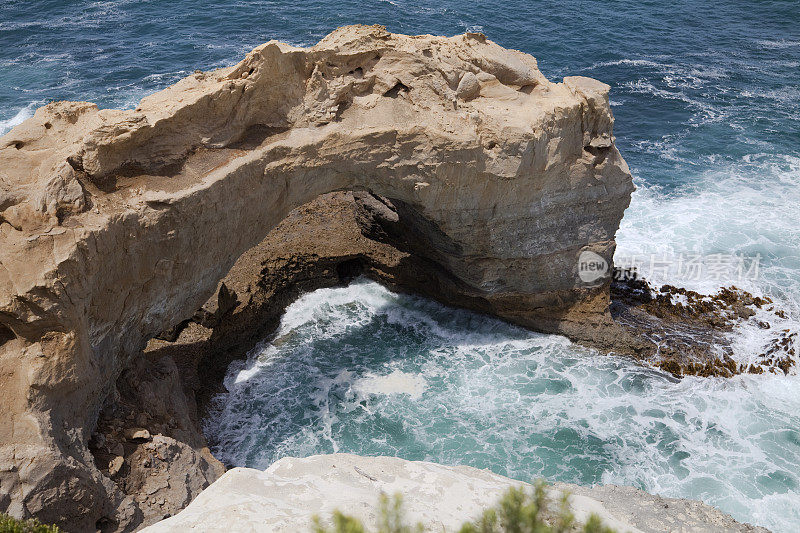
column 284, row 498
column 117, row 225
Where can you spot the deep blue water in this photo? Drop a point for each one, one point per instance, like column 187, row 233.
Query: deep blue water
column 697, row 79
column 707, row 101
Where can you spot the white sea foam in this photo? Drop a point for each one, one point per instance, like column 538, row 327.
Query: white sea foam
column 745, row 207
column 396, row 382
column 705, row 112
column 21, row 116
column 779, row 43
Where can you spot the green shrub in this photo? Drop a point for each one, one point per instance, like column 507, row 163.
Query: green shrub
column 518, row 511
column 390, row 519
column 12, row 525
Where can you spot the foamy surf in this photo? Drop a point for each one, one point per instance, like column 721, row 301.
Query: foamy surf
column 363, row 370
column 395, row 382
column 740, row 211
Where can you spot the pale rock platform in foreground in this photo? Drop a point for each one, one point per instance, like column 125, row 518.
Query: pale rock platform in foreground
column 286, row 496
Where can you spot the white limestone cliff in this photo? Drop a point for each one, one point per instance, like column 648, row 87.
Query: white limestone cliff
column 286, row 496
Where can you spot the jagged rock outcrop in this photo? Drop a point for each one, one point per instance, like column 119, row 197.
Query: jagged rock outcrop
column 117, row 225
column 286, row 496
column 148, row 442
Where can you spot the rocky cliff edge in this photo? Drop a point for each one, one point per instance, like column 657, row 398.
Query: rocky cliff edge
column 286, row 496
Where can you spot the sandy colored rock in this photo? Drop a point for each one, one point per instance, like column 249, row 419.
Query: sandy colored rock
column 115, row 465
column 469, row 87
column 137, row 434
column 162, row 474
column 284, row 498
column 117, row 225
column 166, row 475
column 651, row 513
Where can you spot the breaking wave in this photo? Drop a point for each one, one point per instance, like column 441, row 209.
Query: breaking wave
column 21, row 116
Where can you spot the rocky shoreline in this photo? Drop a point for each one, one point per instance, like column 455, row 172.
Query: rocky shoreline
column 445, row 167
column 691, row 332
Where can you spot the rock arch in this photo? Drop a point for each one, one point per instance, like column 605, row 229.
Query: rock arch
column 115, row 223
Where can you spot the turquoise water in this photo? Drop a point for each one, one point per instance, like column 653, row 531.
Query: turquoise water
column 363, row 370
column 707, row 101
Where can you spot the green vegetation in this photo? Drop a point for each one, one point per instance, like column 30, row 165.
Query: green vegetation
column 522, row 512
column 518, row 511
column 12, row 525
column 390, row 519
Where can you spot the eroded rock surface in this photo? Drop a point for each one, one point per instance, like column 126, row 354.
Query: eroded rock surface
column 116, row 226
column 286, row 496
column 148, row 442
column 693, row 333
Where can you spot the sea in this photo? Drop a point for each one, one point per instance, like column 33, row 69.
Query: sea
column 706, row 97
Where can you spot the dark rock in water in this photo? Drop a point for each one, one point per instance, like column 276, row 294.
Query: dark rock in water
column 780, row 354
column 691, row 331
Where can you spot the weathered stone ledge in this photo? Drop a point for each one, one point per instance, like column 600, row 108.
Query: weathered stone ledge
column 286, row 496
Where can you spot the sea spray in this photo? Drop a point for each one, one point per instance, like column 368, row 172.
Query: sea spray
column 18, row 118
